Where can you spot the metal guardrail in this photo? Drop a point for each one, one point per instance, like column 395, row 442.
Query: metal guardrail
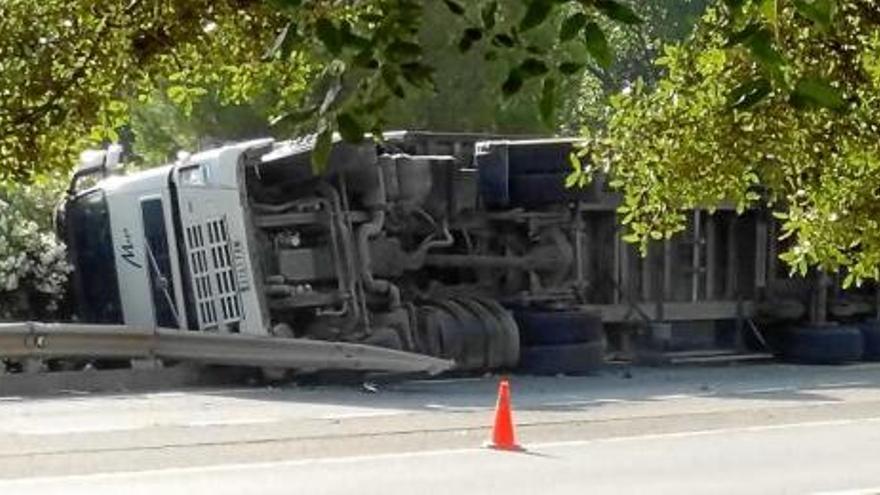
column 42, row 340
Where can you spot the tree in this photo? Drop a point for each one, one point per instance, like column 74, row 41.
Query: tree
column 587, row 98
column 70, row 71
column 72, row 78
column 468, row 92
column 783, row 112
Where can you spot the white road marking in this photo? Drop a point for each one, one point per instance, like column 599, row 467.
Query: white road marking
column 844, row 384
column 587, row 402
column 51, row 429
column 680, row 396
column 366, row 413
column 446, row 381
column 230, row 421
column 702, row 433
column 768, row 390
column 444, row 407
column 33, row 483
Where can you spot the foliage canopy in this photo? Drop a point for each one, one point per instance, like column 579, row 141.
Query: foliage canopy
column 785, row 112
column 71, row 72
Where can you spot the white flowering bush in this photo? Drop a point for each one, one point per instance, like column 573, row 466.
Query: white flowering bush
column 33, row 263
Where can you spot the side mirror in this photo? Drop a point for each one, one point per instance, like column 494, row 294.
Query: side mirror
column 93, row 162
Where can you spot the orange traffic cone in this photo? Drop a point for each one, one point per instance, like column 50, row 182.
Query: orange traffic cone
column 503, row 435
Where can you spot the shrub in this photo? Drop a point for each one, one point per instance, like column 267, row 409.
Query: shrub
column 33, row 263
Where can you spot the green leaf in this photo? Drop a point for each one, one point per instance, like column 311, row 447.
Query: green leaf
column 474, row 34
column 575, row 161
column 348, row 38
column 820, row 12
column 349, row 128
column 618, row 11
column 749, row 94
column 743, row 35
column 287, row 4
column 536, row 50
column 403, row 50
column 321, row 151
column 329, row 36
column 597, row 45
column 532, row 67
column 418, row 74
column 513, row 83
column 389, row 76
column 366, row 59
column 572, row 179
column 469, row 37
column 736, row 7
column 454, row 7
column 504, row 40
column 536, row 13
column 488, row 15
column 547, row 104
column 815, row 92
column 761, row 45
column 569, row 68
column 572, row 26
column 770, row 11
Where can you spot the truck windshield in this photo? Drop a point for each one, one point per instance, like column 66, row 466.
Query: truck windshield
column 91, row 250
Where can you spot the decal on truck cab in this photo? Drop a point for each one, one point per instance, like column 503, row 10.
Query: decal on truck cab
column 127, row 250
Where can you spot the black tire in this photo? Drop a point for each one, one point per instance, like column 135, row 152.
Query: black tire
column 495, row 335
column 534, row 190
column 574, row 359
column 538, row 328
column 511, row 330
column 822, row 344
column 466, row 332
column 870, row 339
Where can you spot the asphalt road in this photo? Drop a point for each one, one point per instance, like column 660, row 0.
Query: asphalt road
column 749, row 429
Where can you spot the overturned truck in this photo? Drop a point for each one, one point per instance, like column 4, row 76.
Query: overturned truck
column 460, row 247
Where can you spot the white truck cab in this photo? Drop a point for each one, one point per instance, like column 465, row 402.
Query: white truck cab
column 126, row 235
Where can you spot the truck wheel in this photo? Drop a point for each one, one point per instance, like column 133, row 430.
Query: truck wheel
column 466, row 329
column 570, row 359
column 538, row 328
column 496, row 348
column 822, row 344
column 511, row 331
column 871, row 339
column 439, row 336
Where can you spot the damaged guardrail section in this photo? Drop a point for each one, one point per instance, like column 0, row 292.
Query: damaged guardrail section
column 69, row 340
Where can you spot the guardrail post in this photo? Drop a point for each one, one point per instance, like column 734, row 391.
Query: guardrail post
column 152, row 362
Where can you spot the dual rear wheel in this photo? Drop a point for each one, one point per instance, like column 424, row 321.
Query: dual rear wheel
column 560, row 342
